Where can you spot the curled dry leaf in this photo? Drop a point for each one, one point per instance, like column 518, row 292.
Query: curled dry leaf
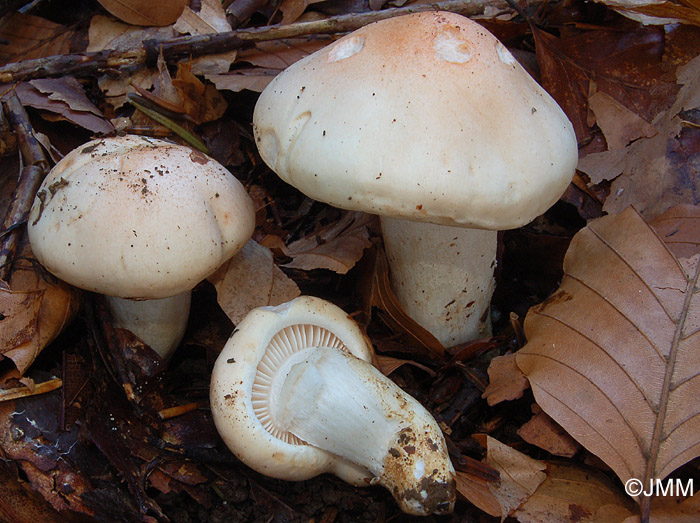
column 388, row 364
column 152, row 13
column 34, row 312
column 251, row 279
column 612, row 356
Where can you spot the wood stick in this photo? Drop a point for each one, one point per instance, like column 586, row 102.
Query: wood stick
column 35, row 168
column 192, row 46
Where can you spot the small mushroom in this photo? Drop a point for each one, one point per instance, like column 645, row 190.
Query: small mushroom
column 141, row 221
column 294, row 395
column 428, row 121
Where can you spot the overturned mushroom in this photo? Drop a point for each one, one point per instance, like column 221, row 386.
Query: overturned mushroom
column 294, row 395
column 142, row 221
column 428, row 121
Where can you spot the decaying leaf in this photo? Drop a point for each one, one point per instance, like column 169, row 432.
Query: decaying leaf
column 653, row 173
column 613, row 355
column 620, row 126
column 506, row 381
column 678, row 227
column 33, row 313
column 65, row 97
column 657, row 12
column 30, row 36
column 152, row 13
column 201, row 102
column 251, row 279
column 293, row 9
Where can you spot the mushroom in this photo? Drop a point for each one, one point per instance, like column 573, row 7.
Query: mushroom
column 142, row 221
column 428, row 121
column 294, row 395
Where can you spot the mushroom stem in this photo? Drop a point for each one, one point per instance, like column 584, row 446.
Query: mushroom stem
column 343, row 405
column 159, row 323
column 442, row 276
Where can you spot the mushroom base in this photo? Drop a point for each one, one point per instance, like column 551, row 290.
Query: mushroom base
column 442, row 276
column 160, row 324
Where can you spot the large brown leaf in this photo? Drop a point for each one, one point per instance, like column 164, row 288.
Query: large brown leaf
column 614, row 355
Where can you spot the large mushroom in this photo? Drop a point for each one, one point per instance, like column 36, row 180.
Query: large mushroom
column 294, row 395
column 428, row 121
column 142, row 221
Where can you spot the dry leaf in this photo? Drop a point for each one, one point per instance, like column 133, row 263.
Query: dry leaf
column 151, row 13
column 573, row 493
column 620, row 126
column 210, row 19
column 201, row 102
column 251, row 279
column 337, row 247
column 269, row 59
column 656, row 12
column 651, row 174
column 478, row 493
column 614, row 355
column 520, row 474
column 32, row 37
column 65, row 97
column 544, row 433
column 105, row 33
column 293, row 9
column 678, row 227
column 506, row 381
column 33, row 312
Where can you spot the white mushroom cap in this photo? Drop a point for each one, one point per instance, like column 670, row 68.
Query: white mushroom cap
column 425, row 117
column 293, row 395
column 138, row 217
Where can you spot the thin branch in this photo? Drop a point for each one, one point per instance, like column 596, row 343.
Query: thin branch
column 192, row 46
column 35, row 168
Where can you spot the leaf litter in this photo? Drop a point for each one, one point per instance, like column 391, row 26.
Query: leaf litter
column 628, row 90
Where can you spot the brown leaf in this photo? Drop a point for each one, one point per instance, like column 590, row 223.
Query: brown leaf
column 573, row 493
column 620, row 126
column 251, row 279
column 32, row 37
column 18, row 504
column 269, row 59
column 679, row 227
column 65, row 97
column 506, row 382
column 654, row 173
column 33, row 312
column 210, row 19
column 520, row 475
column 293, row 9
column 544, row 433
column 612, row 356
column 337, row 247
column 152, row 13
column 626, row 65
column 201, row 102
column 478, row 493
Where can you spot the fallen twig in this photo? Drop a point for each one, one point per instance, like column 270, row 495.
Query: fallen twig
column 35, row 168
column 192, row 46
